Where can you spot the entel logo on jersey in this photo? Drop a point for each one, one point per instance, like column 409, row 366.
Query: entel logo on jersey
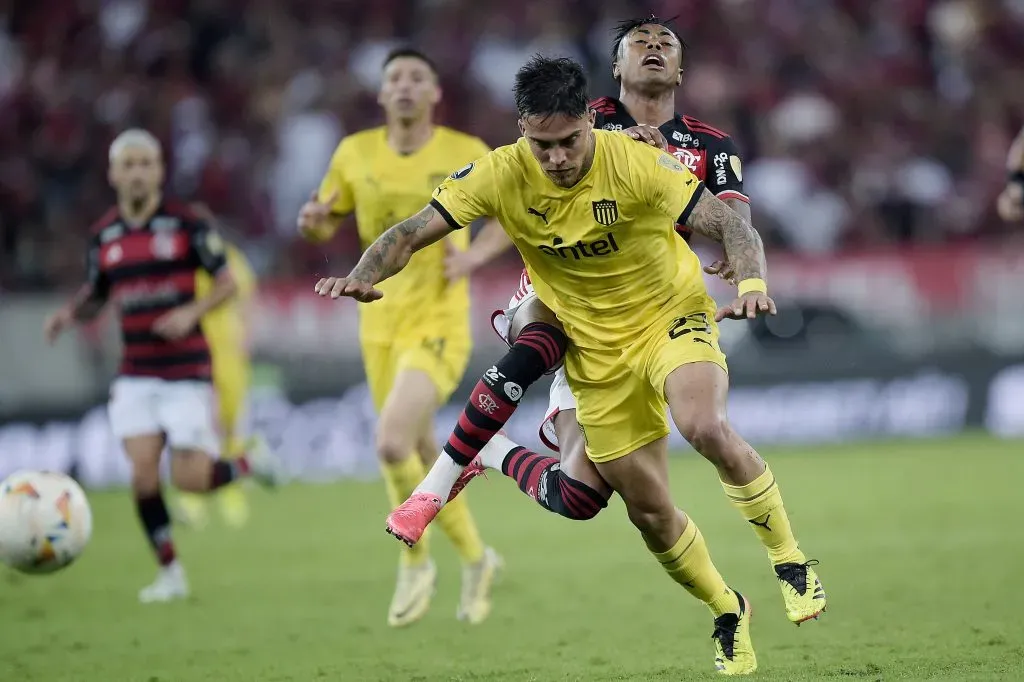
column 581, row 249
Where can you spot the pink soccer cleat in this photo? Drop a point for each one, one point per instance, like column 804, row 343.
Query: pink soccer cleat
column 475, row 468
column 410, row 520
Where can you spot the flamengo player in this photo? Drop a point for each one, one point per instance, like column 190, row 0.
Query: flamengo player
column 145, row 254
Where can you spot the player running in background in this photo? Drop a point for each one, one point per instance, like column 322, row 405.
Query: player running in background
column 225, row 328
column 630, row 296
column 1011, row 200
column 144, row 255
column 416, row 343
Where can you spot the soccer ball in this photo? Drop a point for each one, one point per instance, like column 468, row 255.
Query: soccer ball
column 45, row 521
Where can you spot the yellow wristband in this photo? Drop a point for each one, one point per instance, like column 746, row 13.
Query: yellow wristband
column 755, row 284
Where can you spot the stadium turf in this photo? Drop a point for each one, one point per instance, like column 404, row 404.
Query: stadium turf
column 921, row 547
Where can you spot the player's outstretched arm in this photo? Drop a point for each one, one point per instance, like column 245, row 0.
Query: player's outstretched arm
column 387, row 256
column 714, row 219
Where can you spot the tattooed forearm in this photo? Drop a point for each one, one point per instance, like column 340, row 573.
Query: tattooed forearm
column 712, row 218
column 391, row 252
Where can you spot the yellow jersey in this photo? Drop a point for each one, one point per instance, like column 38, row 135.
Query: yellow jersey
column 224, row 326
column 603, row 254
column 383, row 188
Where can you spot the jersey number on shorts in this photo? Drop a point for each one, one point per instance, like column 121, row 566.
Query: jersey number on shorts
column 687, row 324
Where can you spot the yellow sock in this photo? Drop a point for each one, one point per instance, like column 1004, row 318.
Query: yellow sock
column 458, row 524
column 760, row 503
column 400, row 479
column 689, row 564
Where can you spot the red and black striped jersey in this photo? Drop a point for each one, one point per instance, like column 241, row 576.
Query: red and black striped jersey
column 708, row 152
column 147, row 271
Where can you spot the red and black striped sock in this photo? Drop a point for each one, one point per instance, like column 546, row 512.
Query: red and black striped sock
column 542, row 478
column 537, row 349
column 156, row 521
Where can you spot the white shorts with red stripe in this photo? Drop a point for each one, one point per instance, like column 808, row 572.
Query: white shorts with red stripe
column 559, row 396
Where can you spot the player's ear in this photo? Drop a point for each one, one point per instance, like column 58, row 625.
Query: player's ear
column 522, row 128
column 679, row 77
column 592, row 117
column 616, row 73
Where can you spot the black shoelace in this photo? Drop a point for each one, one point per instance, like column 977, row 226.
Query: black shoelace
column 795, row 575
column 725, row 632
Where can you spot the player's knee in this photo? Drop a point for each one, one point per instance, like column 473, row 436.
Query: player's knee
column 393, row 445
column 190, row 471
column 538, row 348
column 650, row 520
column 568, row 497
column 708, row 434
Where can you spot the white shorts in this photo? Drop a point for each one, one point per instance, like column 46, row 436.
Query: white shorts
column 184, row 411
column 559, row 396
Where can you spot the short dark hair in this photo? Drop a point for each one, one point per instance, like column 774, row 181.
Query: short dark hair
column 400, row 52
column 627, row 26
column 547, row 86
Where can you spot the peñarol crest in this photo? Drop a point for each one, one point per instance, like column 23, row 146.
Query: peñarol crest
column 606, row 211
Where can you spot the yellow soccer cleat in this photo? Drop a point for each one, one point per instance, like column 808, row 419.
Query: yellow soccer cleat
column 413, row 593
column 734, row 652
column 477, row 580
column 802, row 591
column 234, row 507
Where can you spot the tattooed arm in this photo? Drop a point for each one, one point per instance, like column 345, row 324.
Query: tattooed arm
column 387, row 256
column 714, row 219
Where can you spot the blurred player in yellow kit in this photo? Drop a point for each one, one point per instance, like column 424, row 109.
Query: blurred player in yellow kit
column 225, row 329
column 416, row 342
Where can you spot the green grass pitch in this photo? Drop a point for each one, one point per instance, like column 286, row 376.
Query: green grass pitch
column 921, row 547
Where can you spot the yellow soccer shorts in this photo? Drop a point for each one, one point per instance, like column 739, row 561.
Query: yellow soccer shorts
column 620, row 394
column 438, row 353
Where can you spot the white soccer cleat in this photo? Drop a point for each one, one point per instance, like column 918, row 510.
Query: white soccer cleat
column 264, row 466
column 477, row 581
column 413, row 593
column 170, row 584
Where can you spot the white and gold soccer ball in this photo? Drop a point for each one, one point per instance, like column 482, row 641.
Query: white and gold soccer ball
column 45, row 521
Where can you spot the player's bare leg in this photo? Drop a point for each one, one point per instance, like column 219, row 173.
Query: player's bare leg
column 641, row 480
column 144, row 453
column 478, row 577
column 407, row 412
column 413, row 398
column 697, row 395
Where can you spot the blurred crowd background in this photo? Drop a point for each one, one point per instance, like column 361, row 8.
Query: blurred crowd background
column 863, row 123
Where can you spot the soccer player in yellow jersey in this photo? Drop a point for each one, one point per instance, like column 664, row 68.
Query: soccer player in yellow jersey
column 593, row 214
column 225, row 331
column 417, row 342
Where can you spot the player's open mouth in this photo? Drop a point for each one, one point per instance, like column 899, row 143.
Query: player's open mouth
column 655, row 61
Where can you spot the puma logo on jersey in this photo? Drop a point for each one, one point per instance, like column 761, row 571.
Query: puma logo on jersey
column 543, row 216
column 581, row 249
